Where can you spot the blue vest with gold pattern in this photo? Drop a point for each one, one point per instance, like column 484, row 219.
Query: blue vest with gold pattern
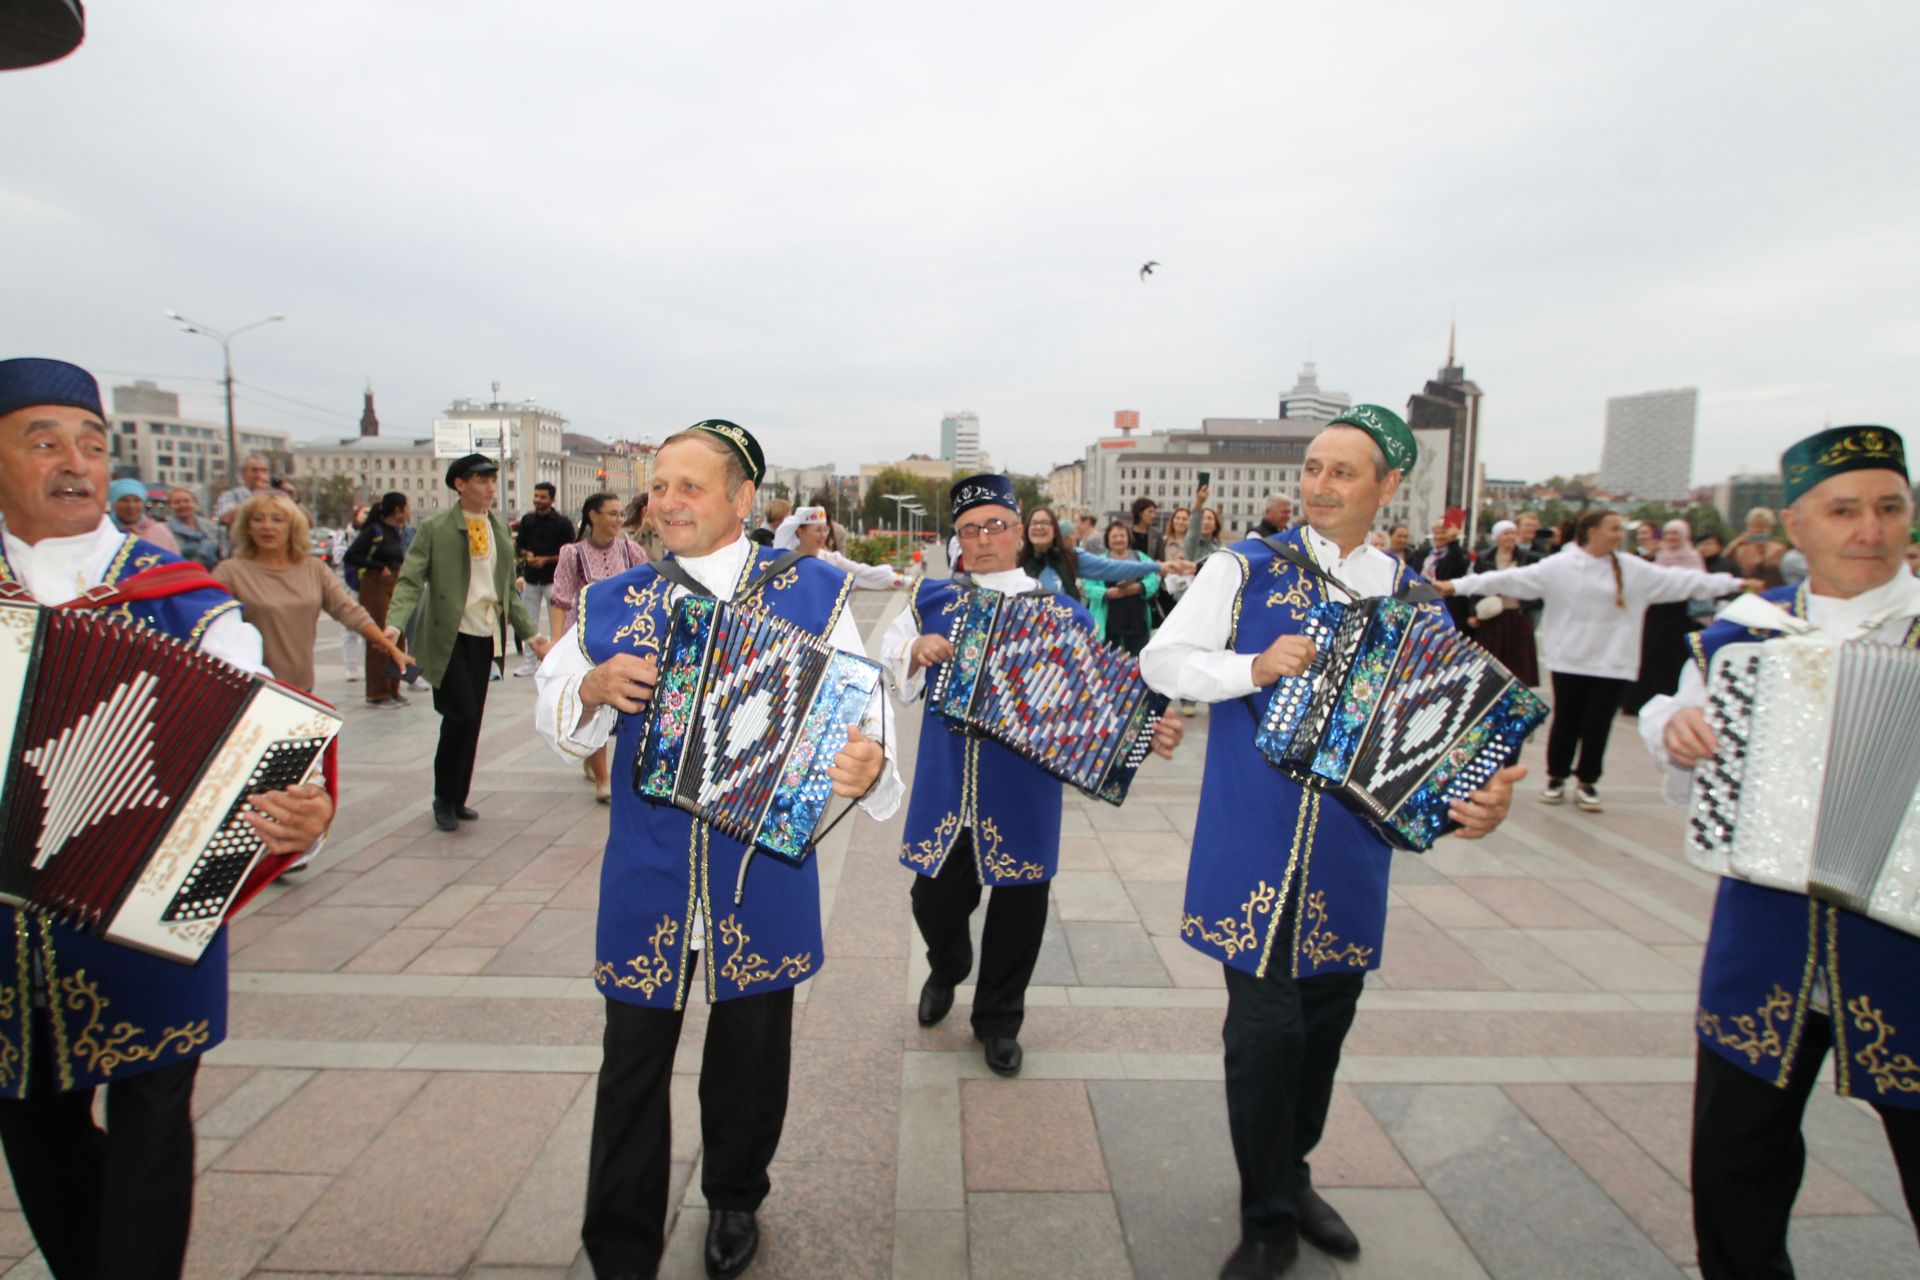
column 1770, row 949
column 662, row 867
column 966, row 783
column 115, row 1012
column 1280, row 874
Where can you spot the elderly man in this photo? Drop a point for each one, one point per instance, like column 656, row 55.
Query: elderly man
column 256, row 477
column 806, row 530
column 1288, row 888
column 672, row 887
column 115, row 1203
column 1278, row 517
column 1772, row 999
column 129, row 499
column 460, row 567
column 981, row 816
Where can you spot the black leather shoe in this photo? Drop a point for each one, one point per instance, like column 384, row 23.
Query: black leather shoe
column 1260, row 1260
column 732, row 1238
column 1324, row 1228
column 443, row 816
column 1002, row 1054
column 935, row 1000
column 465, row 814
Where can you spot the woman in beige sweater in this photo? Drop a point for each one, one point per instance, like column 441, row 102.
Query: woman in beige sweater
column 283, row 587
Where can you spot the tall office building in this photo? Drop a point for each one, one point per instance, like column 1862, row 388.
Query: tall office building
column 960, row 441
column 1450, row 403
column 1649, row 446
column 1307, row 400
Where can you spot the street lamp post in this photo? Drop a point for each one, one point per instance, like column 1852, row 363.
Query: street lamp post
column 226, row 355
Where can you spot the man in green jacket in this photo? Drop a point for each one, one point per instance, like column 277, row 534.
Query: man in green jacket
column 461, row 567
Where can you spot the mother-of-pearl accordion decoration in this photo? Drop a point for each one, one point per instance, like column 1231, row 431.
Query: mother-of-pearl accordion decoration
column 1026, row 674
column 749, row 712
column 1399, row 715
column 1814, row 786
column 130, row 760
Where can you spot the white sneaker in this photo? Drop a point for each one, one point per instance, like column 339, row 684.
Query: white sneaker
column 1587, row 798
column 1556, row 791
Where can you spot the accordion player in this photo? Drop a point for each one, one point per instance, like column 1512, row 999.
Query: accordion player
column 1815, row 787
column 749, row 713
column 140, row 842
column 1028, row 675
column 1399, row 716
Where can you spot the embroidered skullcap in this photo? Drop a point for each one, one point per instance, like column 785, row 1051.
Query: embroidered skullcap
column 810, row 515
column 1387, row 430
column 31, row 380
column 739, row 442
column 990, row 489
column 126, row 488
column 1839, row 449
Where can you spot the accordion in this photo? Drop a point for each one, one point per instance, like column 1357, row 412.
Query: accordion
column 1028, row 675
column 1813, row 788
column 1399, row 715
column 130, row 761
column 749, row 712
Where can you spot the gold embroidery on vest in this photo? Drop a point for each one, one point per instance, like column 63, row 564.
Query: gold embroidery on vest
column 1897, row 1072
column 745, row 970
column 1757, row 1034
column 13, row 1004
column 1002, row 864
column 929, row 852
column 790, row 578
column 1322, row 945
column 649, row 973
column 1234, row 935
column 642, row 625
column 120, row 1045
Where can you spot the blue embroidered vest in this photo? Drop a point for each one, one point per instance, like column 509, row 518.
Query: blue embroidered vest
column 662, row 867
column 115, row 1012
column 1280, row 874
column 965, row 783
column 1770, row 947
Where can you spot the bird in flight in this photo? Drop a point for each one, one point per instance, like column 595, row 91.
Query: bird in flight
column 1147, row 270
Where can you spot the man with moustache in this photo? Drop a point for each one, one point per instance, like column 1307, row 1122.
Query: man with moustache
column 1286, row 888
column 113, row 1204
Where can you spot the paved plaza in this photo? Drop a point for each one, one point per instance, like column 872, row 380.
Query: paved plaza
column 407, row 1087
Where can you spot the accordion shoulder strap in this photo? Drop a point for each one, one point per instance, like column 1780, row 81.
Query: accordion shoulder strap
column 671, row 570
column 1415, row 592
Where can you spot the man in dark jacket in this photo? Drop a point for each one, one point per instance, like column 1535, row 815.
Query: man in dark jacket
column 537, row 540
column 1441, row 558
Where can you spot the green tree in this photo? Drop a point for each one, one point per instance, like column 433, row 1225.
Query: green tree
column 880, row 513
column 334, row 500
column 1029, row 492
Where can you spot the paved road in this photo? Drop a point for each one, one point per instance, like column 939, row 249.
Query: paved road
column 407, row 1089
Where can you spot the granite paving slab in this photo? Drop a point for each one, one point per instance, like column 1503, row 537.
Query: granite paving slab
column 1114, row 955
column 1044, row 1236
column 1171, row 1164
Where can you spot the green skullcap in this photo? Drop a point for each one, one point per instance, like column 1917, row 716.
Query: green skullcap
column 1837, row 449
column 1386, row 429
column 739, row 442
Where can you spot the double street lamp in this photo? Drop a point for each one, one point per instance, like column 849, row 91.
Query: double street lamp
column 226, row 354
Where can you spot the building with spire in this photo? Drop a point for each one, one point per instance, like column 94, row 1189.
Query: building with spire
column 1307, row 400
column 369, row 420
column 1450, row 405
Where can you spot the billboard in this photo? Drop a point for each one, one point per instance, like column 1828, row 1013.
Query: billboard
column 458, row 437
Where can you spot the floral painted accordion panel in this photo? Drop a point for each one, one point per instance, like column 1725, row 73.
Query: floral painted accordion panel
column 131, row 758
column 1028, row 675
column 1399, row 716
column 749, row 713
column 1816, row 784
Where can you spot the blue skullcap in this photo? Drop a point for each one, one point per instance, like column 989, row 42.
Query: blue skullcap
column 990, row 489
column 126, row 488
column 31, row 380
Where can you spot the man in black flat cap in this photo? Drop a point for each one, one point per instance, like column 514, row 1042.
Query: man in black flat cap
column 460, row 568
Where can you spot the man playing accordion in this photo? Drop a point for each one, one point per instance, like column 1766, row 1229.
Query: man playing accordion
column 981, row 815
column 1787, row 976
column 76, row 1011
column 668, row 884
column 1287, row 887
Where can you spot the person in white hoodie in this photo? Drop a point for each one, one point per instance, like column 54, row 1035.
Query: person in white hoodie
column 1596, row 602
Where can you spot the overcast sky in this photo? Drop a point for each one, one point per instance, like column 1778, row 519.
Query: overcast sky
column 833, row 223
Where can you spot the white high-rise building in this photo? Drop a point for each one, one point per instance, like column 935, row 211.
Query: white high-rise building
column 960, row 441
column 1307, row 400
column 1649, row 447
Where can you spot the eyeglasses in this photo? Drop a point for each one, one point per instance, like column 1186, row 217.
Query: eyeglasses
column 987, row 529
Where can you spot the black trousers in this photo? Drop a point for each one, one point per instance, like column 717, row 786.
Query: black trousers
column 1583, row 711
column 461, row 700
column 113, row 1205
column 743, row 1107
column 1009, row 941
column 1749, row 1156
column 1283, row 1039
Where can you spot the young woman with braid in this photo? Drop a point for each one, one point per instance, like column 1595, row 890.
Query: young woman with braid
column 1596, row 602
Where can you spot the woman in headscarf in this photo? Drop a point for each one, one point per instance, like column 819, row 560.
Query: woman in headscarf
column 1502, row 625
column 1663, row 635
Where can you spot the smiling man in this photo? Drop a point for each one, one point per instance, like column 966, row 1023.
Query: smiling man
column 1772, row 1000
column 667, row 885
column 1286, row 889
column 114, row 1203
